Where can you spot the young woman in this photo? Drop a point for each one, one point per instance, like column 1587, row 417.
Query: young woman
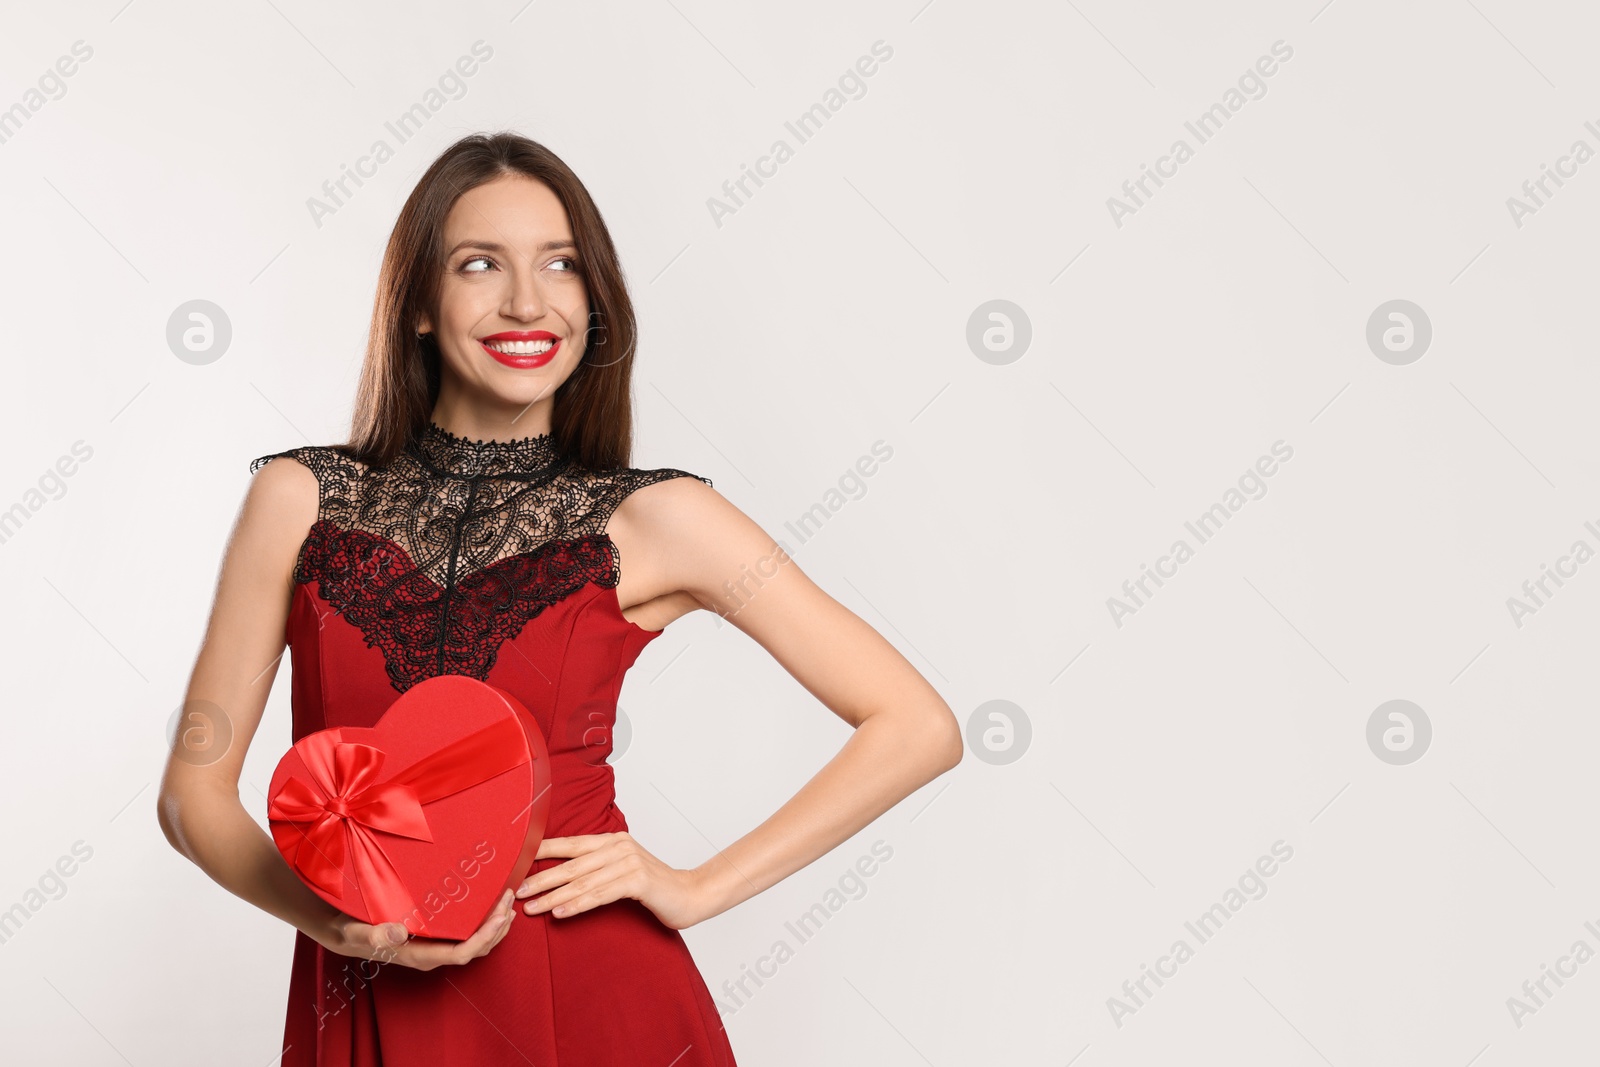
column 477, row 523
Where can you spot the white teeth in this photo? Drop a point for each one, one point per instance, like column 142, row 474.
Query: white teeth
column 520, row 348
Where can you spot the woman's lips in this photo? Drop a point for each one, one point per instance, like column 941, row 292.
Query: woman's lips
column 524, row 362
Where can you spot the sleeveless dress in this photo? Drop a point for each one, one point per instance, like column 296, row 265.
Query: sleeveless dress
column 488, row 559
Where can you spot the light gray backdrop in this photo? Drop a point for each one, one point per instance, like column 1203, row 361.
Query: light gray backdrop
column 1342, row 351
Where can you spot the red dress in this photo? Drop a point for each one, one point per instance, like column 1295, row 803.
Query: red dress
column 490, row 559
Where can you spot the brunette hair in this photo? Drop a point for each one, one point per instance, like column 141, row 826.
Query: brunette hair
column 592, row 421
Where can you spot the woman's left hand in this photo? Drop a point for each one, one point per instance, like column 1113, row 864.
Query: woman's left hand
column 601, row 868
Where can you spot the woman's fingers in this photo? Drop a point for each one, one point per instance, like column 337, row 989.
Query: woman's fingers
column 590, row 853
column 486, row 936
column 584, row 894
column 425, row 953
column 505, row 927
column 560, row 875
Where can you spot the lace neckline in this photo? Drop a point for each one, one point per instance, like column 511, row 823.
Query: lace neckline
column 464, row 457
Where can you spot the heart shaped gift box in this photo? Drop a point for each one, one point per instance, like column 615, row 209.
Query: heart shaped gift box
column 424, row 818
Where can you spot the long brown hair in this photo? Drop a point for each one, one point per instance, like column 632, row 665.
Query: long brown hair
column 592, row 421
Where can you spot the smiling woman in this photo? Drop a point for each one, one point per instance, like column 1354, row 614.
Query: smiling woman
column 475, row 524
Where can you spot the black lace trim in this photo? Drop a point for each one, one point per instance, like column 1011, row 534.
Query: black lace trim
column 522, row 457
column 445, row 554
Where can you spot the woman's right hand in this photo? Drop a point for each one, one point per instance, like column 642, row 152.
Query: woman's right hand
column 393, row 943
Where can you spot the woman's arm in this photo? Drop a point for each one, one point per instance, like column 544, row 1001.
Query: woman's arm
column 199, row 806
column 690, row 538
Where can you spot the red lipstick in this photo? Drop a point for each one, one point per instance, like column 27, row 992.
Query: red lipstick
column 522, row 361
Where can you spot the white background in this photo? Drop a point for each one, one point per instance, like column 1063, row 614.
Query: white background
column 1163, row 756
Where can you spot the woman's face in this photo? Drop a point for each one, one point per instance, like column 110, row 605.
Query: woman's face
column 513, row 311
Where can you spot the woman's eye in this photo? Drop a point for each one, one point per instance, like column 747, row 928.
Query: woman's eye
column 467, row 264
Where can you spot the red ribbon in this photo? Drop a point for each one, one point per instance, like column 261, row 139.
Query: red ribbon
column 346, row 800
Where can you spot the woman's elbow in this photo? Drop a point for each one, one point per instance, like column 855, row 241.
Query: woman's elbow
column 953, row 747
column 167, row 818
column 172, row 803
column 943, row 745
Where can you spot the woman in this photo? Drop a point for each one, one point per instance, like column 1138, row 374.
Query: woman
column 475, row 524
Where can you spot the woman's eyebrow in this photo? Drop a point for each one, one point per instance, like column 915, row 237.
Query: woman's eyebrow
column 495, row 246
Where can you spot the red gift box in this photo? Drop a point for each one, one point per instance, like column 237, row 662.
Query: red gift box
column 424, row 818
